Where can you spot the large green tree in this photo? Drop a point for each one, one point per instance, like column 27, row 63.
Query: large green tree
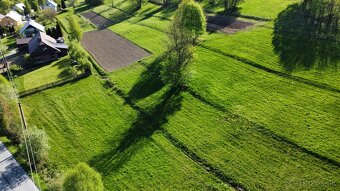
column 82, row 178
column 188, row 24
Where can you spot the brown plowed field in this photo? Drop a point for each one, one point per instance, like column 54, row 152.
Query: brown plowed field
column 226, row 24
column 97, row 20
column 112, row 51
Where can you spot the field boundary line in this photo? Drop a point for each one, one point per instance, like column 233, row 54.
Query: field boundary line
column 202, row 162
column 266, row 131
column 176, row 143
column 51, row 85
column 275, row 72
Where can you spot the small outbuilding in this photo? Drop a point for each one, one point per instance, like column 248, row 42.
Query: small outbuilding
column 13, row 18
column 31, row 28
column 50, row 4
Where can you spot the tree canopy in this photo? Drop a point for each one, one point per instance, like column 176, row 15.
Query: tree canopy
column 82, row 178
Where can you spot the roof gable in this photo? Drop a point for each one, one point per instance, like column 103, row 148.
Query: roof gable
column 51, row 3
column 41, row 39
column 14, row 15
column 33, row 24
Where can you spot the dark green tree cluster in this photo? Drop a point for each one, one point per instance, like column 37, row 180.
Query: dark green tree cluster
column 188, row 24
column 80, row 58
column 54, row 32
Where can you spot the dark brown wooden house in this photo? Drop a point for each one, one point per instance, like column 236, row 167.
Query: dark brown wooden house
column 42, row 48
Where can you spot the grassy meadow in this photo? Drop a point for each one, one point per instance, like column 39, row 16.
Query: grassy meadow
column 45, row 75
column 74, row 119
column 244, row 122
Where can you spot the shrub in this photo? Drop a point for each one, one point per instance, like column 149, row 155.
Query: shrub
column 82, row 178
column 38, row 139
column 72, row 71
column 9, row 114
column 85, row 65
column 15, row 68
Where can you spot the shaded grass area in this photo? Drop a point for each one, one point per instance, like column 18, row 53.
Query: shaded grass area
column 86, row 122
column 47, row 74
column 256, row 46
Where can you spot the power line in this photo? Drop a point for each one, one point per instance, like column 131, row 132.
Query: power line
column 22, row 121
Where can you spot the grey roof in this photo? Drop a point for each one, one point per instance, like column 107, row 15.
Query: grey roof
column 43, row 38
column 1, row 16
column 33, row 24
column 52, row 3
column 14, row 15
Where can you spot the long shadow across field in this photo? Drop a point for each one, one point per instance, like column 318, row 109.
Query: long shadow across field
column 306, row 36
column 147, row 122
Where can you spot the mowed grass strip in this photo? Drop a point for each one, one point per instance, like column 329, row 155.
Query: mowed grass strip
column 45, row 75
column 86, row 122
column 303, row 114
column 256, row 46
column 236, row 147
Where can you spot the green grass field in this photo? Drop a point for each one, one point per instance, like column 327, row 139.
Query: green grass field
column 243, row 122
column 45, row 75
column 100, row 136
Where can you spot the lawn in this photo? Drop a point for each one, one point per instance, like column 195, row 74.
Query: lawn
column 241, row 118
column 79, row 130
column 265, row 9
column 45, row 75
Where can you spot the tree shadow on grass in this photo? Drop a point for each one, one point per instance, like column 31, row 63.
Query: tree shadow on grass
column 149, row 81
column 147, row 122
column 306, row 36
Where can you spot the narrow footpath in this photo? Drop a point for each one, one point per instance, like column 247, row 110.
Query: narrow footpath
column 12, row 175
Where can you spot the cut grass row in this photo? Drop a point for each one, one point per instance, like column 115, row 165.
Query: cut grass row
column 86, row 122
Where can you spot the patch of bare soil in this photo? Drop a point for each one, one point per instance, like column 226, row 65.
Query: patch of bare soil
column 227, row 25
column 97, row 20
column 112, row 51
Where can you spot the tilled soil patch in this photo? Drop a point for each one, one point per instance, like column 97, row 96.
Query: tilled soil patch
column 97, row 20
column 112, row 51
column 227, row 25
